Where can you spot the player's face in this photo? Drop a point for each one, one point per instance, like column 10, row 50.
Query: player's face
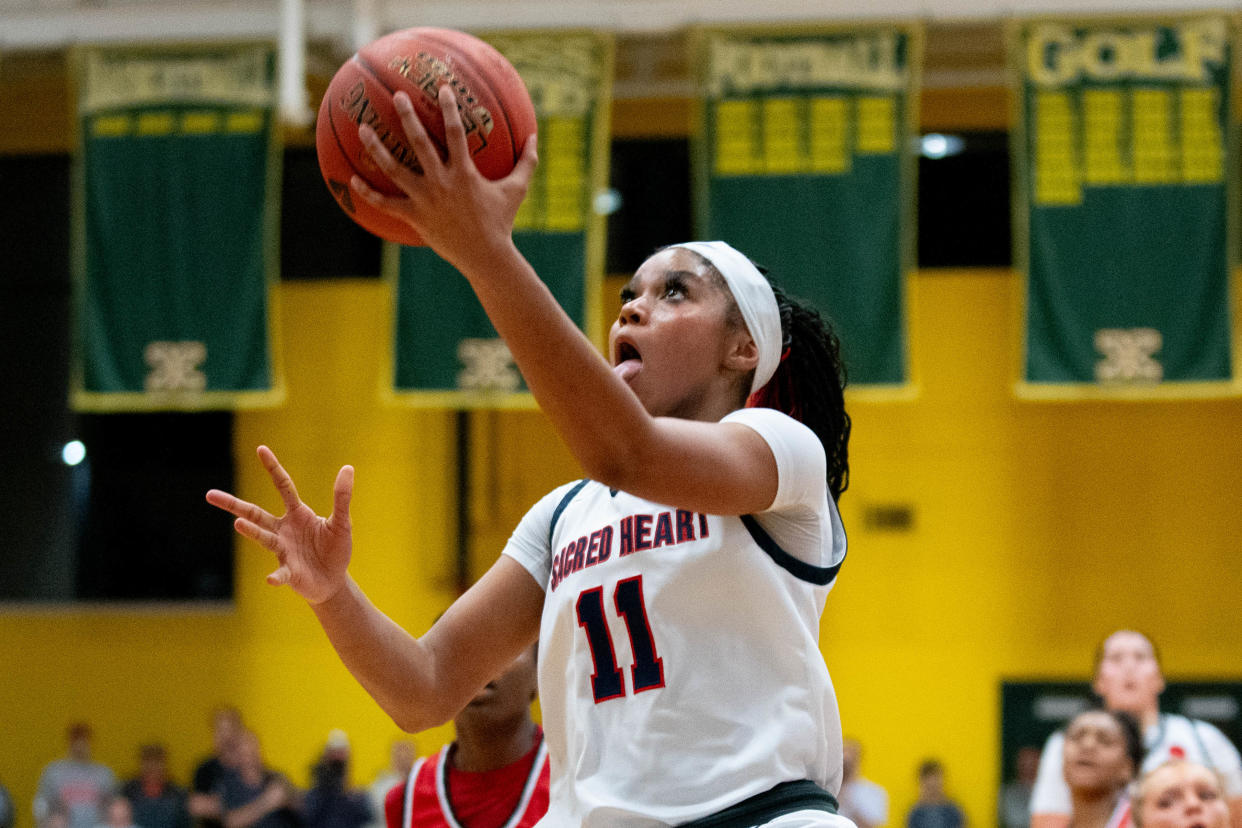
column 1095, row 753
column 509, row 695
column 1183, row 795
column 671, row 338
column 1129, row 676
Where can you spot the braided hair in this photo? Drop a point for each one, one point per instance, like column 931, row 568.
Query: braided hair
column 809, row 383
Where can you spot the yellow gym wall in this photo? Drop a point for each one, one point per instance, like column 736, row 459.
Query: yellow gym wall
column 1037, row 528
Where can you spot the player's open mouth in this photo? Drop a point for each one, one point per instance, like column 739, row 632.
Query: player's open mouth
column 628, row 361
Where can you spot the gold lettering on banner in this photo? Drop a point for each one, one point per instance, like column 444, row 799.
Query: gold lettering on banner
column 564, row 74
column 561, row 72
column 1057, row 55
column 175, row 366
column 864, row 61
column 116, row 80
column 1129, row 355
column 487, row 365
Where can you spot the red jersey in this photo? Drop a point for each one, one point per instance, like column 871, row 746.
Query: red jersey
column 437, row 795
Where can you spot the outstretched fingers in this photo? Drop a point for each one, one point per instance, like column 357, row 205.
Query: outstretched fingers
column 280, row 478
column 264, row 537
column 280, row 577
column 242, row 509
column 342, row 492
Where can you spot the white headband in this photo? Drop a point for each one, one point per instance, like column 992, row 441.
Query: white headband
column 755, row 300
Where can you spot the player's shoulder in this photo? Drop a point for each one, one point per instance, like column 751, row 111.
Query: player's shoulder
column 766, row 419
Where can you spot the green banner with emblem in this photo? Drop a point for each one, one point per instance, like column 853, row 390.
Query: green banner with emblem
column 176, row 188
column 445, row 351
column 1125, row 200
column 804, row 161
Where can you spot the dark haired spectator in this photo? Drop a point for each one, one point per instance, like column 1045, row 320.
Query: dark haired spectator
column 1015, row 795
column 1128, row 677
column 252, row 795
column 204, row 805
column 934, row 809
column 157, row 801
column 331, row 802
column 76, row 785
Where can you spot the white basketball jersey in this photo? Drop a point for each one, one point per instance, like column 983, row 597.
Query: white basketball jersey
column 679, row 661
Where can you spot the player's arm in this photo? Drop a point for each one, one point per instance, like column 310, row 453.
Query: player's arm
column 419, row 682
column 424, row 682
column 710, row 467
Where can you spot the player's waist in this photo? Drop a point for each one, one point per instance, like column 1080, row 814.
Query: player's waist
column 785, row 798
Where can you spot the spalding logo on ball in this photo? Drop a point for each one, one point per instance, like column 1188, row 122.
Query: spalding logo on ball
column 495, row 108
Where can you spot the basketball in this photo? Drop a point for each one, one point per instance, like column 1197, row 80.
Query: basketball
column 495, row 108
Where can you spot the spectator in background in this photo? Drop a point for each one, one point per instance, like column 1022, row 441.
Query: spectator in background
column 204, row 805
column 401, row 758
column 331, row 802
column 1102, row 755
column 1015, row 795
column 77, row 784
column 157, row 801
column 254, row 796
column 118, row 813
column 495, row 773
column 1128, row 677
column 1180, row 794
column 7, row 813
column 934, row 809
column 861, row 800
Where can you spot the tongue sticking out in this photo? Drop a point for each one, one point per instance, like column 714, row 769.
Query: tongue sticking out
column 627, row 369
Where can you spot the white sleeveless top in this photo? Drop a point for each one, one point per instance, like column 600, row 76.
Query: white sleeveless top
column 679, row 661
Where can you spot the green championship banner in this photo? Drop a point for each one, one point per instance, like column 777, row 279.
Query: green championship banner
column 803, row 161
column 445, row 352
column 1125, row 204
column 175, row 199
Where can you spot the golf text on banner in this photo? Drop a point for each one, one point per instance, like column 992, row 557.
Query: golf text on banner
column 1125, row 197
column 445, row 352
column 804, row 161
column 176, row 187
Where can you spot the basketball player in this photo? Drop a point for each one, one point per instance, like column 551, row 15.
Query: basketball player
column 675, row 594
column 1180, row 794
column 1103, row 752
column 1128, row 677
column 493, row 775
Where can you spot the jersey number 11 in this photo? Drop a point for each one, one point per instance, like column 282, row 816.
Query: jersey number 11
column 647, row 671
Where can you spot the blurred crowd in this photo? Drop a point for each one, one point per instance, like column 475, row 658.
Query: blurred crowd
column 1121, row 763
column 232, row 788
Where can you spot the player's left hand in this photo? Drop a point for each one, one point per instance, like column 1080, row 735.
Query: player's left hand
column 462, row 215
column 313, row 552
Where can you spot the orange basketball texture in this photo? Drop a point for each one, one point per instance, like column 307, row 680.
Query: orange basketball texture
column 495, row 107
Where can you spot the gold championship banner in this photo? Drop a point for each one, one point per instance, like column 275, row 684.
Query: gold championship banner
column 1125, row 165
column 445, row 351
column 175, row 223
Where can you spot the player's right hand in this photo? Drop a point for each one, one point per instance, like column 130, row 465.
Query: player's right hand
column 312, row 552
